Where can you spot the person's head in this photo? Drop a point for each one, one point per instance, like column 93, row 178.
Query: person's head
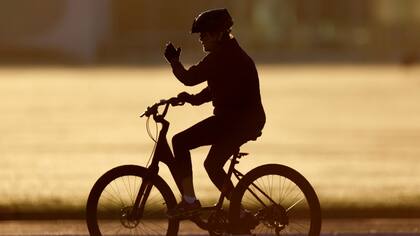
column 214, row 27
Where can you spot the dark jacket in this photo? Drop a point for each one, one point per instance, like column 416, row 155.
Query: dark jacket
column 233, row 85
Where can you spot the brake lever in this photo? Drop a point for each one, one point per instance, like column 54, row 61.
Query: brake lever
column 176, row 101
column 150, row 111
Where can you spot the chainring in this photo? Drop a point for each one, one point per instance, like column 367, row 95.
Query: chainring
column 218, row 223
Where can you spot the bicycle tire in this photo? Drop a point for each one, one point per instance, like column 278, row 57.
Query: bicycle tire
column 99, row 227
column 283, row 177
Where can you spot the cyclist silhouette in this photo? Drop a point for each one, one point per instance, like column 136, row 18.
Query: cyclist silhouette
column 233, row 88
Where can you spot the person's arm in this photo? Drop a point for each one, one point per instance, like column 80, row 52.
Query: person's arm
column 193, row 76
column 197, row 99
column 201, row 97
column 187, row 77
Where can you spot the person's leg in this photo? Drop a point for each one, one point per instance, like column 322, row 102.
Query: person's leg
column 218, row 155
column 198, row 135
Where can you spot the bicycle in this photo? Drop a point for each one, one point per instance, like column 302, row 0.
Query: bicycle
column 130, row 199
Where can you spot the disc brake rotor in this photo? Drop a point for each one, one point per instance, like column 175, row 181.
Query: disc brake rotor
column 274, row 217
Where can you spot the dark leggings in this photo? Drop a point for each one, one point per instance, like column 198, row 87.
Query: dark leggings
column 211, row 131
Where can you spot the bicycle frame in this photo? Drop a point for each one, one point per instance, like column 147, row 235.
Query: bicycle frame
column 164, row 154
column 241, row 214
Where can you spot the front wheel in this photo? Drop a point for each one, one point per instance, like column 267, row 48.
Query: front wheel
column 109, row 209
column 275, row 200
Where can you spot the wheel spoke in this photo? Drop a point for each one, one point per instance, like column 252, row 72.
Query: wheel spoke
column 294, row 204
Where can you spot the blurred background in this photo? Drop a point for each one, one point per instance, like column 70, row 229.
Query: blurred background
column 134, row 31
column 339, row 81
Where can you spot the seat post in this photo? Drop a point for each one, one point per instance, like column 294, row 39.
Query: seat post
column 233, row 162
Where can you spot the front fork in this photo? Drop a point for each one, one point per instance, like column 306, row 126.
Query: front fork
column 163, row 154
column 142, row 196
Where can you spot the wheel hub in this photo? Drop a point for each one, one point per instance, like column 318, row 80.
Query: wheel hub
column 127, row 219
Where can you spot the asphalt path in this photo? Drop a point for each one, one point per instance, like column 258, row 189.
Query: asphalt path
column 333, row 227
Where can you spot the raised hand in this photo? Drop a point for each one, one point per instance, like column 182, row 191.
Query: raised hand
column 172, row 54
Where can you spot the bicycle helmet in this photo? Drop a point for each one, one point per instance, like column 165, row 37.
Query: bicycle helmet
column 212, row 21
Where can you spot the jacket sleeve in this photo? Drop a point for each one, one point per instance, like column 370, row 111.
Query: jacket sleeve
column 196, row 74
column 201, row 97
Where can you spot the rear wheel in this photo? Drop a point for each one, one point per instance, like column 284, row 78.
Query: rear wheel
column 275, row 200
column 111, row 200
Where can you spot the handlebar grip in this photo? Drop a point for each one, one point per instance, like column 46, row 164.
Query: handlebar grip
column 174, row 101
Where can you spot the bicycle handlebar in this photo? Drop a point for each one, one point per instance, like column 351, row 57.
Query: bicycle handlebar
column 153, row 110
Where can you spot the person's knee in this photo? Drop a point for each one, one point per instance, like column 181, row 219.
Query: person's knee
column 212, row 166
column 178, row 141
column 208, row 166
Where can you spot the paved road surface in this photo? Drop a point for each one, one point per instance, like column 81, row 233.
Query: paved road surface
column 345, row 227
